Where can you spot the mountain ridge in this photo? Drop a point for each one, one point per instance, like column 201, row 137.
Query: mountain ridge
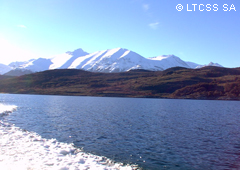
column 109, row 61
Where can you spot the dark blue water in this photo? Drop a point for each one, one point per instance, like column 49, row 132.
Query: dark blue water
column 153, row 133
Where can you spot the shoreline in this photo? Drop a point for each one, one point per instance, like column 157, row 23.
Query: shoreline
column 222, row 98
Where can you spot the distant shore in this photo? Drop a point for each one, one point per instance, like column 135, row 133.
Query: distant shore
column 208, row 83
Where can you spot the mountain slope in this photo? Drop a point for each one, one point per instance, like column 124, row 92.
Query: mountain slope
column 37, row 65
column 4, row 69
column 114, row 60
column 65, row 60
column 210, row 64
column 168, row 61
column 192, row 64
column 56, row 62
column 18, row 72
column 18, row 64
column 177, row 82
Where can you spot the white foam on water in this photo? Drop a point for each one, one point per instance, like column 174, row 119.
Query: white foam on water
column 23, row 150
column 6, row 109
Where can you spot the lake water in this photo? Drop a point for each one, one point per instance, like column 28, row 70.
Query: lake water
column 153, row 133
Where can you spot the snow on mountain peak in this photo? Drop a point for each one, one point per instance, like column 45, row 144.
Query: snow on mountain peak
column 168, row 61
column 37, row 65
column 77, row 52
column 214, row 64
column 161, row 57
column 210, row 64
column 18, row 64
column 65, row 60
column 111, row 60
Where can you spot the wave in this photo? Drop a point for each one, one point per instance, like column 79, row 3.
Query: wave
column 6, row 109
column 28, row 150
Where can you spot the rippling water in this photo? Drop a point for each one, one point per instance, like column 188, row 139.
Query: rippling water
column 154, row 133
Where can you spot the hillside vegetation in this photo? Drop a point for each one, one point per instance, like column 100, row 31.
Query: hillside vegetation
column 177, row 82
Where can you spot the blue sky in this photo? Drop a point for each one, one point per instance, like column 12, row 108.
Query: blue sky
column 42, row 28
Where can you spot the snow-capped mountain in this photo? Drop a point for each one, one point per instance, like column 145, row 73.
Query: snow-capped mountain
column 65, row 60
column 192, row 64
column 56, row 62
column 18, row 64
column 168, row 61
column 37, row 65
column 210, row 64
column 112, row 60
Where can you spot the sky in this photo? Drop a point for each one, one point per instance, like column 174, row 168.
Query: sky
column 200, row 31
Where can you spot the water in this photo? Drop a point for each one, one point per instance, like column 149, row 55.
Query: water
column 153, row 133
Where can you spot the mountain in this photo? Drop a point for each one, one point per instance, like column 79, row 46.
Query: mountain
column 4, row 69
column 18, row 72
column 168, row 61
column 114, row 60
column 108, row 61
column 56, row 62
column 18, row 64
column 210, row 64
column 65, row 60
column 36, row 65
column 192, row 64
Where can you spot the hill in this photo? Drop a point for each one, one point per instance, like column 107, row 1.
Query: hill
column 178, row 82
